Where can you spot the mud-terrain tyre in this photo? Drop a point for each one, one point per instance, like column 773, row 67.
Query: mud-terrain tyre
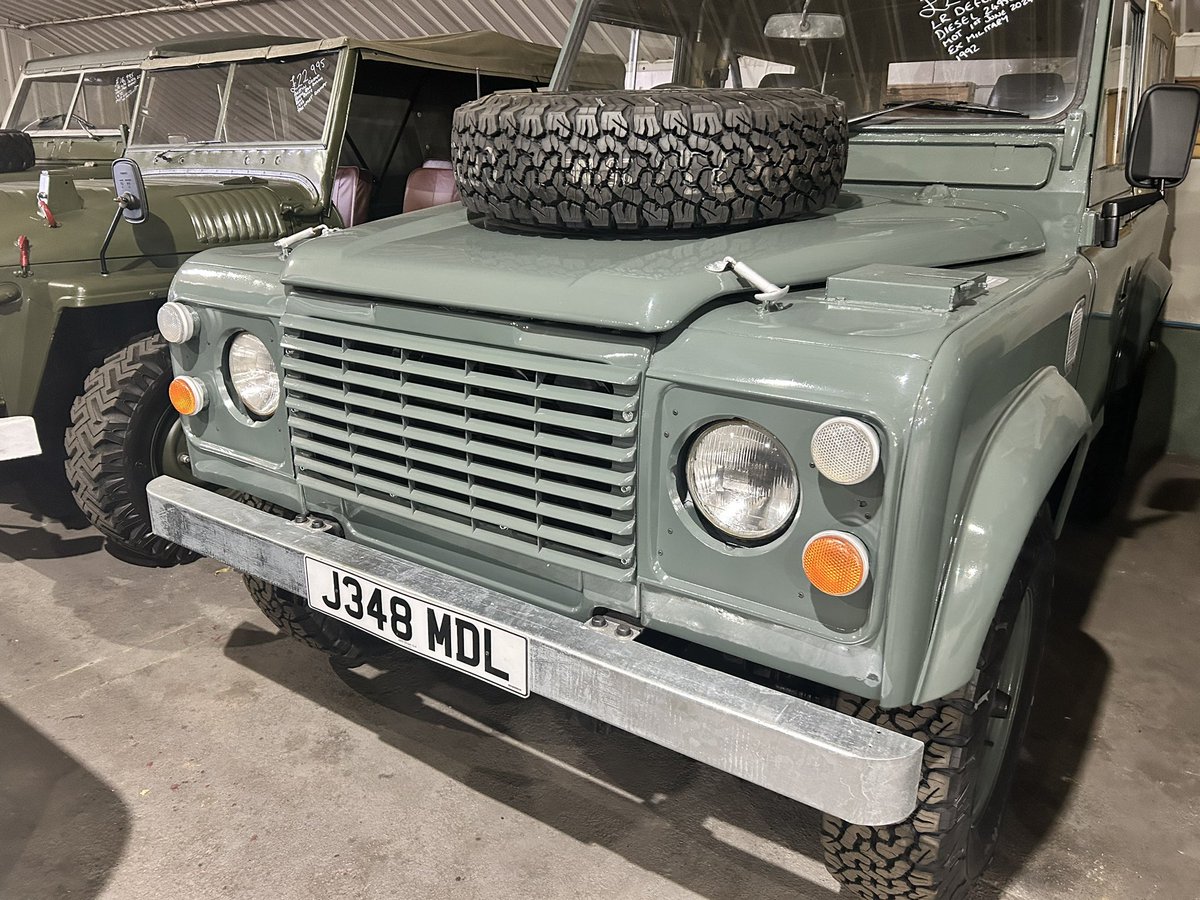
column 16, row 151
column 344, row 644
column 290, row 613
column 947, row 842
column 119, row 432
column 657, row 161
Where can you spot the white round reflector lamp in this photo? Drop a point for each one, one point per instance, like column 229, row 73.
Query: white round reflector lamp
column 846, row 450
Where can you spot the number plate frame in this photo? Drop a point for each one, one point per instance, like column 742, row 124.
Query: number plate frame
column 434, row 632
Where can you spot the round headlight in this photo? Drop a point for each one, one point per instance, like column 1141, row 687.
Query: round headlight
column 253, row 375
column 176, row 323
column 742, row 481
column 845, row 450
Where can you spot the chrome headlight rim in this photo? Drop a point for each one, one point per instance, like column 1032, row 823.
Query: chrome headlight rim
column 701, row 506
column 253, row 376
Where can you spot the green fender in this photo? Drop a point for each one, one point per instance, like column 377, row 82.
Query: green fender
column 1030, row 445
column 1153, row 285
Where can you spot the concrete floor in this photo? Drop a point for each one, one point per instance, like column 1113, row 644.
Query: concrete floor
column 157, row 738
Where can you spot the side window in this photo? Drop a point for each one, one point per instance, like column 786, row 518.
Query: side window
column 1123, row 83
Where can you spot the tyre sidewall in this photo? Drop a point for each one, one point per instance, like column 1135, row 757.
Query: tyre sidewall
column 1034, row 588
column 636, row 162
column 16, row 151
column 149, row 423
column 116, row 440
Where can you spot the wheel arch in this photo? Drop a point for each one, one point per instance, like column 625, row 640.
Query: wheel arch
column 1037, row 443
column 1151, row 286
column 83, row 338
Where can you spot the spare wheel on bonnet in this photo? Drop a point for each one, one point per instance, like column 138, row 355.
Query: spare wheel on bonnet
column 659, row 160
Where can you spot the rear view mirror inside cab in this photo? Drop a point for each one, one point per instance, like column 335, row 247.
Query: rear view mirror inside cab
column 806, row 27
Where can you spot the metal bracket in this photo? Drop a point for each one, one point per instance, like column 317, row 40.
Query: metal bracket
column 769, row 294
column 1073, row 133
column 616, row 628
column 288, row 244
column 315, row 525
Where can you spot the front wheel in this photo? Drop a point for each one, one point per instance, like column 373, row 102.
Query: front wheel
column 124, row 434
column 972, row 739
column 293, row 616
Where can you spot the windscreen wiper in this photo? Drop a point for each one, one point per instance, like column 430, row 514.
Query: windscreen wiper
column 934, row 103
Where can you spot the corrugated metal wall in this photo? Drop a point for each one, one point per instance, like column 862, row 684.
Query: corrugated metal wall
column 51, row 27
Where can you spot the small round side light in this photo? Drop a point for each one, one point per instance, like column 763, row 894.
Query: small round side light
column 836, row 563
column 846, row 450
column 177, row 323
column 188, row 395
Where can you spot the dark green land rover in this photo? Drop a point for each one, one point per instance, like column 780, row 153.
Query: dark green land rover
column 740, row 402
column 237, row 138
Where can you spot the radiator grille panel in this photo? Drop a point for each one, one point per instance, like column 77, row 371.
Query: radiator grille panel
column 535, row 453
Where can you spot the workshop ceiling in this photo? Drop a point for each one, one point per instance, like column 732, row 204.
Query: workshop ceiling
column 68, row 26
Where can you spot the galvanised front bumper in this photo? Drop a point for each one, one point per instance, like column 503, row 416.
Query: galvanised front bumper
column 797, row 748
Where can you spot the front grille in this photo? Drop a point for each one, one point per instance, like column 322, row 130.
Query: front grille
column 531, row 452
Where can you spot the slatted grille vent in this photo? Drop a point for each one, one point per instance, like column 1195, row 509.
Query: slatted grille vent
column 534, row 453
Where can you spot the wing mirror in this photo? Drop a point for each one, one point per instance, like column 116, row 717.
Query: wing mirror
column 1160, row 152
column 132, row 204
column 806, row 27
column 131, row 191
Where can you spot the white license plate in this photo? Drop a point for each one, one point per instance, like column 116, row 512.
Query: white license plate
column 467, row 644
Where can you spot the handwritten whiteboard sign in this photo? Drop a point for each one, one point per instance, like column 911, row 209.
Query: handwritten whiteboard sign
column 961, row 24
column 309, row 83
column 125, row 86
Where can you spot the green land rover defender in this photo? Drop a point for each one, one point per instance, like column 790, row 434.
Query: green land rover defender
column 740, row 402
column 238, row 139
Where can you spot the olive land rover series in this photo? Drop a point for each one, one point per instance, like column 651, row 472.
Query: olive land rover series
column 236, row 139
column 77, row 109
column 738, row 405
column 73, row 110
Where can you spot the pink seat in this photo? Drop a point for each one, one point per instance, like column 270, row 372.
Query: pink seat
column 431, row 185
column 351, row 195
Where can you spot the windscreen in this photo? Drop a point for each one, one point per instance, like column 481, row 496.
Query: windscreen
column 1017, row 55
column 104, row 104
column 255, row 102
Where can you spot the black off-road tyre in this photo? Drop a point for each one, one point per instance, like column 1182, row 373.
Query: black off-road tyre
column 115, row 444
column 939, row 851
column 290, row 613
column 345, row 645
column 657, row 161
column 16, row 151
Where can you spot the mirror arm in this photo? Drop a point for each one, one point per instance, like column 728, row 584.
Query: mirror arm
column 1114, row 211
column 112, row 230
column 124, row 202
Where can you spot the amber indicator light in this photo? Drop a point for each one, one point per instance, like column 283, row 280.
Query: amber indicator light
column 836, row 563
column 186, row 396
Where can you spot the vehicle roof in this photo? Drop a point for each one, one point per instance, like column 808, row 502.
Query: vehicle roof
column 486, row 52
column 213, row 42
